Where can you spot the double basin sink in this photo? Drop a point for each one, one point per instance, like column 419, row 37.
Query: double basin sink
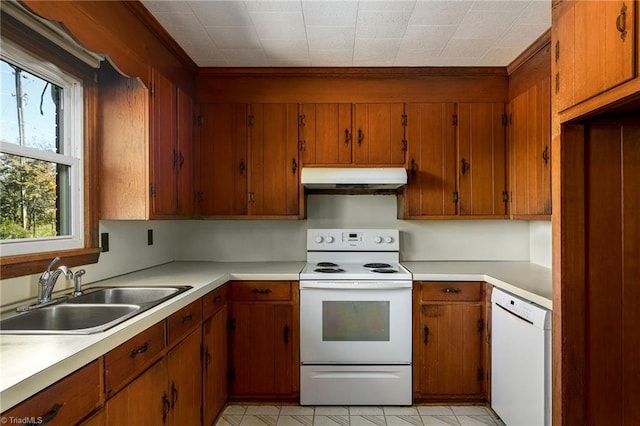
column 95, row 311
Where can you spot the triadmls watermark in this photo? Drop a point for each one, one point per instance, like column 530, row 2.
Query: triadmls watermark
column 10, row 420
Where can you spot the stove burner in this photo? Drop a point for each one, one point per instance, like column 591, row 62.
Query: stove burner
column 329, row 270
column 327, row 264
column 377, row 265
column 384, row 271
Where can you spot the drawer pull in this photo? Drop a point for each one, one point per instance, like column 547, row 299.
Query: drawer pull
column 217, row 299
column 261, row 290
column 449, row 290
column 187, row 318
column 47, row 417
column 142, row 349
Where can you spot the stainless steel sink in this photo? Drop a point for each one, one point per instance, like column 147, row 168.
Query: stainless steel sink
column 128, row 295
column 95, row 311
column 68, row 319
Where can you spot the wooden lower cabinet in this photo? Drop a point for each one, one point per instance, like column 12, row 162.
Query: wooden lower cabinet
column 64, row 403
column 214, row 366
column 167, row 393
column 263, row 336
column 450, row 356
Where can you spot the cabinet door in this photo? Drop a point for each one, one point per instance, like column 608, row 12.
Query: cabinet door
column 431, row 160
column 185, row 381
column 214, row 375
column 594, row 44
column 325, row 133
column 223, row 160
column 273, row 147
column 163, row 146
column 378, row 134
column 184, row 144
column 261, row 349
column 481, row 159
column 529, row 151
column 450, row 350
column 145, row 401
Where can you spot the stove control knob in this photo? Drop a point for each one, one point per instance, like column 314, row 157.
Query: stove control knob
column 388, row 239
column 377, row 239
column 328, row 239
column 319, row 239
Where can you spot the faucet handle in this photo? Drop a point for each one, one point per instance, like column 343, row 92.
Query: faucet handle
column 53, row 262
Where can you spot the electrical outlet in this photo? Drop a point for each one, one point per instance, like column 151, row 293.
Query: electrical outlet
column 104, row 241
column 149, row 237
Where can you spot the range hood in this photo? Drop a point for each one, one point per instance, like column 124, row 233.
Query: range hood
column 353, row 177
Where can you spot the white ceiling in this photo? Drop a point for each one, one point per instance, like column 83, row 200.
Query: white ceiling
column 319, row 33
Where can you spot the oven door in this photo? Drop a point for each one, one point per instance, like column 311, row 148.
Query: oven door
column 355, row 323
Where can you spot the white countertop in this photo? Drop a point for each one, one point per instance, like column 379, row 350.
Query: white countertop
column 524, row 279
column 30, row 363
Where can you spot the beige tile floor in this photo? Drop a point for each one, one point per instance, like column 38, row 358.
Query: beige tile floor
column 295, row 415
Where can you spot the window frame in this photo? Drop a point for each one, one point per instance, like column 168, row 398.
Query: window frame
column 37, row 45
column 72, row 156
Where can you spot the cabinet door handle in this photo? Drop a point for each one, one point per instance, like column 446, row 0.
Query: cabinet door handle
column 360, row 136
column 621, row 22
column 545, row 155
column 242, row 167
column 464, row 166
column 166, row 407
column 175, row 157
column 412, row 166
column 449, row 290
column 286, row 334
column 186, row 318
column 347, row 136
column 181, row 160
column 142, row 349
column 207, row 358
column 49, row 416
column 294, row 166
column 426, row 334
column 261, row 291
column 174, row 394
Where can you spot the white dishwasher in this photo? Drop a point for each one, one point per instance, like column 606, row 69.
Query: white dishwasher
column 520, row 361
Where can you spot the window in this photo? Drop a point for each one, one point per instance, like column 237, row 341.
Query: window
column 41, row 169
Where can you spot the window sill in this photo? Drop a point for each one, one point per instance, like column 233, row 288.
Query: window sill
column 17, row 266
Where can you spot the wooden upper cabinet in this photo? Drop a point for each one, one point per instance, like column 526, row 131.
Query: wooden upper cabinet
column 378, row 134
column 325, row 134
column 223, row 159
column 356, row 134
column 431, row 160
column 172, row 146
column 481, row 159
column 530, row 152
column 273, row 158
column 594, row 48
column 248, row 160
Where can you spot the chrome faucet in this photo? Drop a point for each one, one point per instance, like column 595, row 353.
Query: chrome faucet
column 48, row 280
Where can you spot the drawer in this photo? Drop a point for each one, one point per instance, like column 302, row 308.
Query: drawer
column 453, row 291
column 214, row 301
column 261, row 290
column 183, row 321
column 64, row 403
column 132, row 357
